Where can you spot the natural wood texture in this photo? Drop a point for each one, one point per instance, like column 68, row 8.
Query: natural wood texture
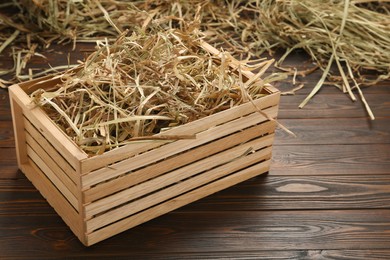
column 333, row 105
column 255, row 230
column 139, row 176
column 326, row 195
column 42, row 122
column 6, row 134
column 232, row 146
column 4, row 106
column 334, row 159
column 8, row 162
column 54, row 197
column 332, row 131
column 302, row 192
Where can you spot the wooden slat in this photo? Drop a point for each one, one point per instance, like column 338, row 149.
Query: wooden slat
column 192, row 128
column 335, row 131
column 44, row 124
column 63, row 164
column 179, row 175
column 63, row 178
column 65, row 192
column 173, row 148
column 177, row 202
column 54, row 197
column 368, row 159
column 18, row 127
column 174, row 162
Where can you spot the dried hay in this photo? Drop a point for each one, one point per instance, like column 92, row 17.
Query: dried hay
column 145, row 83
column 353, row 35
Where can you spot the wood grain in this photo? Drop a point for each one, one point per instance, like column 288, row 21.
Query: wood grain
column 5, row 114
column 8, row 164
column 367, row 159
column 333, row 106
column 242, row 231
column 328, row 88
column 301, row 192
column 325, row 197
column 6, row 134
column 339, row 131
column 20, row 197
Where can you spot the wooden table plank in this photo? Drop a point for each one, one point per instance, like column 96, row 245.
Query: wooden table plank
column 367, row 159
column 328, row 88
column 325, row 197
column 237, row 255
column 216, row 232
column 8, row 164
column 312, row 192
column 6, row 134
column 333, row 106
column 5, row 113
column 327, row 131
column 265, row 192
column 20, row 197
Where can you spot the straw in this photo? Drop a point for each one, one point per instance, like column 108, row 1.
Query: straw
column 143, row 84
column 354, row 32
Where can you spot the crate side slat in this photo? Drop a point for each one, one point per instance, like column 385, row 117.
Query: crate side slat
column 63, row 164
column 177, row 161
column 231, row 156
column 52, row 177
column 54, row 197
column 18, row 127
column 194, row 127
column 177, row 202
column 174, row 148
column 176, row 175
column 45, row 125
column 175, row 190
column 52, row 165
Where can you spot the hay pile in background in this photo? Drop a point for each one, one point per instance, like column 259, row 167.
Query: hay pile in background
column 352, row 34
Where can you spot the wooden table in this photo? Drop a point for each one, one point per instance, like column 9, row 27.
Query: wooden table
column 327, row 194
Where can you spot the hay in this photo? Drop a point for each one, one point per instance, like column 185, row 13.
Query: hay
column 353, row 34
column 143, row 84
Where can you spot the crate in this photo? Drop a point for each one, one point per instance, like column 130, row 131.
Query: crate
column 101, row 196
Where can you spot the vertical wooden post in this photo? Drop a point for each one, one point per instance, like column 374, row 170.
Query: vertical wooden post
column 20, row 135
column 82, row 214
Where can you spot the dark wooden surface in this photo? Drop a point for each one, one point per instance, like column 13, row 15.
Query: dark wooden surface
column 327, row 195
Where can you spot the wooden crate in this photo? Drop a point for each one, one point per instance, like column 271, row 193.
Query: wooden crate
column 101, row 196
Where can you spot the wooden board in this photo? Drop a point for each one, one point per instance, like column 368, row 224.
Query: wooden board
column 326, row 196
